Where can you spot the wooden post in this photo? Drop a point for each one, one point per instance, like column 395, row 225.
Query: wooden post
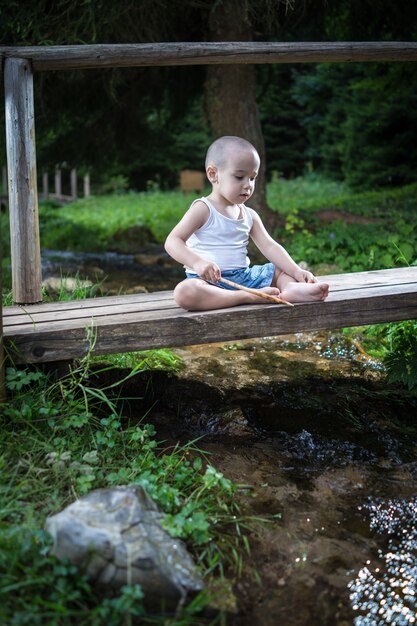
column 86, row 185
column 23, row 197
column 45, row 185
column 58, row 183
column 74, row 190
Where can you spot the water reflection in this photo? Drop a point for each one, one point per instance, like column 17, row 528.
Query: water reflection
column 385, row 592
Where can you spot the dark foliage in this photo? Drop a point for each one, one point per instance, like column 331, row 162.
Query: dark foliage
column 353, row 121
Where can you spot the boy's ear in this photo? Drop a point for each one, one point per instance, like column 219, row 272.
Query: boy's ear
column 211, row 172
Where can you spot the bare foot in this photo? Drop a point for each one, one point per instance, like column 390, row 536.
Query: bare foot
column 253, row 299
column 305, row 292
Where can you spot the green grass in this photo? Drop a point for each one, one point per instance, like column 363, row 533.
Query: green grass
column 313, row 192
column 306, row 192
column 163, row 359
column 90, row 224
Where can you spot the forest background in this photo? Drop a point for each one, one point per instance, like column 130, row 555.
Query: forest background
column 139, row 127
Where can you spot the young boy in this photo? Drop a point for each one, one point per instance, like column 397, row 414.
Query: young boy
column 211, row 240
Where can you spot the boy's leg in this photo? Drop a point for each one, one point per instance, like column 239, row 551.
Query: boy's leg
column 194, row 294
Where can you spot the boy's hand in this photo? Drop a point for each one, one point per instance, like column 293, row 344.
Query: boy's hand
column 304, row 276
column 208, row 270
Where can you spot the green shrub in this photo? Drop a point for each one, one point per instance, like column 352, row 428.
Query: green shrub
column 401, row 356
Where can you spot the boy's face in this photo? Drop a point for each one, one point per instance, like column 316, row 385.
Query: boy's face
column 235, row 178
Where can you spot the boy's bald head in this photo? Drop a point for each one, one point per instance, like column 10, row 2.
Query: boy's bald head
column 224, row 147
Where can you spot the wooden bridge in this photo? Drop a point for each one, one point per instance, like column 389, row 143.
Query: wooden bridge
column 66, row 330
column 52, row 332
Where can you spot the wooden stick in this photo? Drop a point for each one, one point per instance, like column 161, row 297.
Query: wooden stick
column 256, row 292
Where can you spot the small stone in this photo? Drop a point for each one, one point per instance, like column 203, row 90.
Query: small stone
column 149, row 259
column 55, row 285
column 137, row 289
column 234, row 424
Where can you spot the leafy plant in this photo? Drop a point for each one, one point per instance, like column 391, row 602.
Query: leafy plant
column 149, row 359
column 401, row 356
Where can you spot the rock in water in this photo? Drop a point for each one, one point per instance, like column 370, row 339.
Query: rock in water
column 115, row 536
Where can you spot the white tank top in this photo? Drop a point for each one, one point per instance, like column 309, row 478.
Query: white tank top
column 223, row 240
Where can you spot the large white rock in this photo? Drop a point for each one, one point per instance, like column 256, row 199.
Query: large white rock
column 114, row 535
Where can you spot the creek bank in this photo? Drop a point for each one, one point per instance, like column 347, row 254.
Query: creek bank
column 310, row 424
column 319, row 382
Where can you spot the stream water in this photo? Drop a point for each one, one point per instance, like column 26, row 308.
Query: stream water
column 309, row 423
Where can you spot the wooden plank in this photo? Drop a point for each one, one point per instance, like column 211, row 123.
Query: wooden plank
column 353, row 280
column 86, row 185
column 144, row 329
column 121, row 317
column 45, row 185
column 139, row 298
column 48, row 315
column 202, row 328
column 23, row 196
column 155, row 308
column 163, row 299
column 208, row 53
column 96, row 307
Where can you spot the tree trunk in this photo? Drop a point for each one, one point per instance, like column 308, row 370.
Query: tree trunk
column 230, row 92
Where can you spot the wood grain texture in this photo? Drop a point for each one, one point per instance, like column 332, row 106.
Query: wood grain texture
column 23, row 197
column 56, row 331
column 207, row 53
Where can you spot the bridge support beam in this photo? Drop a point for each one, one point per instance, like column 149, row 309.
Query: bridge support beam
column 23, row 196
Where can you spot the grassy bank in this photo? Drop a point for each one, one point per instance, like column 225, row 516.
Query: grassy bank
column 60, row 440
column 354, row 232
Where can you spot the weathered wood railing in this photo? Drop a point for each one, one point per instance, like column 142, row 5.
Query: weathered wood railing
column 57, row 194
column 44, row 58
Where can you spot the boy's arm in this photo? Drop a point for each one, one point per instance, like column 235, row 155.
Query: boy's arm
column 275, row 253
column 176, row 247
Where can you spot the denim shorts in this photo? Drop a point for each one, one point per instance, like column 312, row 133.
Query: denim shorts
column 255, row 277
